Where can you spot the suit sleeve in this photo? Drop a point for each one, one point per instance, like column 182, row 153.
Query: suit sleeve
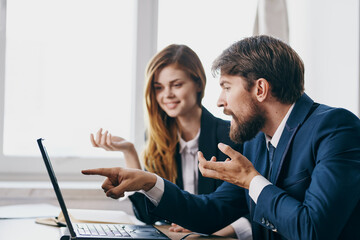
column 333, row 195
column 138, row 201
column 201, row 213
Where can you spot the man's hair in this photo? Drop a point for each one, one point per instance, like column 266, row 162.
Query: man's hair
column 264, row 57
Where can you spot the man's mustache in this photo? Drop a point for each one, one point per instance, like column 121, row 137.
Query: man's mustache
column 227, row 112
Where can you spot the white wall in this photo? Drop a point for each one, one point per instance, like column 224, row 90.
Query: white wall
column 325, row 33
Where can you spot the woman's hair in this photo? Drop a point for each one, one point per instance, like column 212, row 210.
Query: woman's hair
column 162, row 131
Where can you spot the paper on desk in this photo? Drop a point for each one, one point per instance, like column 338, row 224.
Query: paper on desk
column 28, row 211
column 98, row 216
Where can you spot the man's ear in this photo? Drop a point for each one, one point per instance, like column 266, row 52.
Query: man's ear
column 261, row 89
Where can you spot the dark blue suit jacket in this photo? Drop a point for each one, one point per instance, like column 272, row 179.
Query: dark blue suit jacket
column 316, row 183
column 213, row 131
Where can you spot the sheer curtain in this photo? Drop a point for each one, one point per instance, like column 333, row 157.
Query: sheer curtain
column 272, row 19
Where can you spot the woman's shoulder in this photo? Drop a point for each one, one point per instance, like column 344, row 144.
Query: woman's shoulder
column 216, row 129
column 210, row 123
column 208, row 117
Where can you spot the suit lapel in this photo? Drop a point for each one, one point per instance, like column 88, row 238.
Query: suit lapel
column 261, row 158
column 208, row 146
column 297, row 117
column 179, row 179
column 281, row 151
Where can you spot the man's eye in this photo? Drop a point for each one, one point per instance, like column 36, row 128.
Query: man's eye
column 178, row 85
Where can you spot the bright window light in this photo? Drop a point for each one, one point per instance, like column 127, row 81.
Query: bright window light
column 68, row 73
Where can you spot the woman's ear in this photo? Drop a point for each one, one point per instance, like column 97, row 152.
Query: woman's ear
column 262, row 89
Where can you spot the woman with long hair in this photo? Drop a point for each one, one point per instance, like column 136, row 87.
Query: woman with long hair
column 178, row 127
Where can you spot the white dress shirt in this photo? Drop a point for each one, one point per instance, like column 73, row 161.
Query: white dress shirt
column 189, row 163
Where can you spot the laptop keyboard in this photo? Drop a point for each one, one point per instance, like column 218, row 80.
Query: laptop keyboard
column 112, row 230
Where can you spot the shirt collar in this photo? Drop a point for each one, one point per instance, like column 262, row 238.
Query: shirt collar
column 191, row 146
column 276, row 138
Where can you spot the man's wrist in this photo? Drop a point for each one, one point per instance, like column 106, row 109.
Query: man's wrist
column 251, row 177
column 150, row 181
column 257, row 184
column 156, row 192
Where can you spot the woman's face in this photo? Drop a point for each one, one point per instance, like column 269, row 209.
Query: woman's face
column 176, row 92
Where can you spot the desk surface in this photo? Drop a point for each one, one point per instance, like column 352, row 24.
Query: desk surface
column 28, row 229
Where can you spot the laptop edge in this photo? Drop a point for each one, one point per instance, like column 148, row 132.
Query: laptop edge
column 61, row 201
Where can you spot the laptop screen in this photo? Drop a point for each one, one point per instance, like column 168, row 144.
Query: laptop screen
column 56, row 186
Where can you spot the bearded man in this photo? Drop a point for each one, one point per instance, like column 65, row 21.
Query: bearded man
column 299, row 174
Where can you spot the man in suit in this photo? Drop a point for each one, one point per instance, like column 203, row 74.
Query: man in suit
column 299, row 174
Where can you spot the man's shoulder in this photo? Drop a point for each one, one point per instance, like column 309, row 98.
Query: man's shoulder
column 331, row 116
column 329, row 131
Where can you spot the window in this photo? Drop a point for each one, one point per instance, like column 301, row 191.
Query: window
column 69, row 69
column 67, row 73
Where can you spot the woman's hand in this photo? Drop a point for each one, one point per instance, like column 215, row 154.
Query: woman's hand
column 110, row 143
column 176, row 228
column 114, row 143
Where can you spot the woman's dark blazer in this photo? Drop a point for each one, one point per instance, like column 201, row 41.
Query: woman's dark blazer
column 213, row 131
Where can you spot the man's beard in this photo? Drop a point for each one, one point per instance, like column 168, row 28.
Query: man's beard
column 249, row 126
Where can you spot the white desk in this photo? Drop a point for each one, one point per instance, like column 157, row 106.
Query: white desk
column 20, row 229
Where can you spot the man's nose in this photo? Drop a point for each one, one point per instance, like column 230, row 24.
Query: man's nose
column 221, row 101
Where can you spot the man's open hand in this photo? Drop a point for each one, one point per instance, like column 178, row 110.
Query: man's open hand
column 237, row 169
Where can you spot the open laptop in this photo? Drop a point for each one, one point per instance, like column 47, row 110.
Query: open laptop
column 97, row 231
